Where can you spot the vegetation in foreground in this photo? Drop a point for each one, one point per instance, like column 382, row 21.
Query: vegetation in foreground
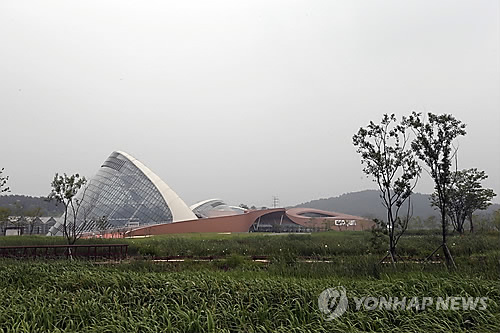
column 415, row 244
column 238, row 295
column 148, row 297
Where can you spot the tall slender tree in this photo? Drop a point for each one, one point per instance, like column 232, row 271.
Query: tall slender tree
column 64, row 190
column 32, row 216
column 388, row 158
column 434, row 145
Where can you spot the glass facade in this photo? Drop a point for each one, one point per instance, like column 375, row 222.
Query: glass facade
column 277, row 222
column 122, row 194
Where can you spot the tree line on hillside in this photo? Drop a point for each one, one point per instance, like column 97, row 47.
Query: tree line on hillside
column 23, row 212
column 367, row 204
column 20, row 205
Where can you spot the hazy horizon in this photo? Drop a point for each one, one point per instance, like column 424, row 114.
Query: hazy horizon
column 241, row 101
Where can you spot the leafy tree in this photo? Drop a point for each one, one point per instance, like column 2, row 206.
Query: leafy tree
column 487, row 222
column 479, row 198
column 378, row 238
column 64, row 190
column 434, row 146
column 430, row 222
column 388, row 158
column 416, row 222
column 3, row 182
column 496, row 219
column 4, row 218
column 466, row 196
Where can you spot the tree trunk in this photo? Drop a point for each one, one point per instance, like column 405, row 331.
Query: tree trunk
column 392, row 246
column 447, row 254
column 471, row 224
column 392, row 253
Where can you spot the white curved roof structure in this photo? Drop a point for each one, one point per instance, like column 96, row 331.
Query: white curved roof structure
column 214, row 208
column 201, row 203
column 180, row 210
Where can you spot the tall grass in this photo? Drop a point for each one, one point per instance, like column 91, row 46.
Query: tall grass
column 84, row 297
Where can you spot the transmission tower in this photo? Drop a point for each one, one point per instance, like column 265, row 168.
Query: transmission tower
column 276, row 202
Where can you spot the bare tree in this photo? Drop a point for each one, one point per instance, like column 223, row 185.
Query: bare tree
column 388, row 158
column 32, row 217
column 434, row 146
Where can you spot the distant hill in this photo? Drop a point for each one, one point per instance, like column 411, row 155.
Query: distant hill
column 49, row 208
column 367, row 204
column 364, row 203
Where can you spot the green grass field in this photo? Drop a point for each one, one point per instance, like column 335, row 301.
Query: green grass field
column 236, row 294
column 414, row 244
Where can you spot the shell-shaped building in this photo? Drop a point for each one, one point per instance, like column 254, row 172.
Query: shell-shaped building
column 127, row 194
column 125, row 198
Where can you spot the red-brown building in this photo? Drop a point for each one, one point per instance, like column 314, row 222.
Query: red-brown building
column 265, row 220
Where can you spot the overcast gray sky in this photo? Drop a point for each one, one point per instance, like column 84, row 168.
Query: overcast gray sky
column 240, row 100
